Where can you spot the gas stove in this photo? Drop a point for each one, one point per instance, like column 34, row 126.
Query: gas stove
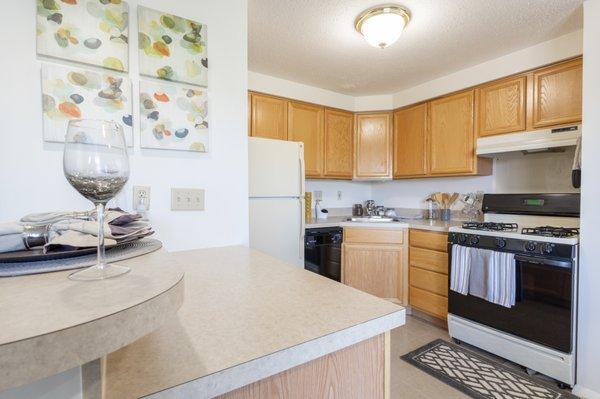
column 539, row 218
column 540, row 232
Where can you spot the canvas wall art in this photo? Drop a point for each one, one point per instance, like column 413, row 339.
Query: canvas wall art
column 73, row 93
column 88, row 31
column 172, row 48
column 173, row 117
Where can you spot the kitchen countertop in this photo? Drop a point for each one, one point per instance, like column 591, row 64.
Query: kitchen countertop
column 246, row 316
column 421, row 224
column 51, row 324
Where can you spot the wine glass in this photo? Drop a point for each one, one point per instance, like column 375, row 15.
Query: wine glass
column 95, row 163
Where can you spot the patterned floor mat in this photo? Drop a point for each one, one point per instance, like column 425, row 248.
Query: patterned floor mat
column 477, row 376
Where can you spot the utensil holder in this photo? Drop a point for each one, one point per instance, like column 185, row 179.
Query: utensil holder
column 445, row 214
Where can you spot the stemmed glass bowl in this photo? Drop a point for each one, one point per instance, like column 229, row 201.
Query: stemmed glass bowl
column 95, row 163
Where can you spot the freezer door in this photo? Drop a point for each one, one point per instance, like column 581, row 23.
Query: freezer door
column 277, row 228
column 276, row 168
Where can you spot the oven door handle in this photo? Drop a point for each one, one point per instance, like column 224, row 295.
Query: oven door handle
column 541, row 261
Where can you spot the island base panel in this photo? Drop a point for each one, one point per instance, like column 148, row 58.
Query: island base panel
column 357, row 372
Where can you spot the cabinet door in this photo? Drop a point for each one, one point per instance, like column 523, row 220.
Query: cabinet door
column 452, row 141
column 375, row 269
column 410, row 141
column 373, row 146
column 557, row 94
column 305, row 124
column 339, row 135
column 269, row 117
column 501, row 107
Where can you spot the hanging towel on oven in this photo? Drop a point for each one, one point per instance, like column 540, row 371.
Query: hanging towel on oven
column 460, row 269
column 493, row 276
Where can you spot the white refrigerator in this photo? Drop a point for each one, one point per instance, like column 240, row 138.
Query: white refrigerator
column 276, row 179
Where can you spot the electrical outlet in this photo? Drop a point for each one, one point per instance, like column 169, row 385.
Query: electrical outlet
column 339, row 195
column 187, row 199
column 318, row 195
column 141, row 198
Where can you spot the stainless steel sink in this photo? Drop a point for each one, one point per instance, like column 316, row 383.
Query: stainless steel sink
column 371, row 219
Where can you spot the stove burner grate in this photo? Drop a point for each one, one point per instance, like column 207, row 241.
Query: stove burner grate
column 550, row 231
column 489, row 226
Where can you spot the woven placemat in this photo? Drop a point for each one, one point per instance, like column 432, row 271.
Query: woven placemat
column 114, row 254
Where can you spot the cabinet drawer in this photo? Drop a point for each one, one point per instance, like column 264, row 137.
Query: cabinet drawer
column 373, row 236
column 429, row 240
column 436, row 283
column 429, row 260
column 432, row 304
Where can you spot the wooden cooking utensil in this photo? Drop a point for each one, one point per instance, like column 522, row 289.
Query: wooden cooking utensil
column 453, row 199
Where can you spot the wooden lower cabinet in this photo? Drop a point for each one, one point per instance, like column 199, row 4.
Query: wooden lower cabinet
column 428, row 273
column 376, row 261
column 357, row 372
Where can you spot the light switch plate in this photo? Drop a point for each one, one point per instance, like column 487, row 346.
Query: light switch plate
column 187, row 199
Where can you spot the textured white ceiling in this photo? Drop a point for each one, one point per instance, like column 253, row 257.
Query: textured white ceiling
column 314, row 41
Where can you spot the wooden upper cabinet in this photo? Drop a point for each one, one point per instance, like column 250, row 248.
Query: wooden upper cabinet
column 410, row 141
column 269, row 117
column 338, row 143
column 373, row 146
column 501, row 106
column 557, row 94
column 452, row 141
column 305, row 124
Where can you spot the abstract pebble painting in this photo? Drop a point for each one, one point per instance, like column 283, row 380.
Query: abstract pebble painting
column 73, row 93
column 173, row 117
column 88, row 31
column 172, row 48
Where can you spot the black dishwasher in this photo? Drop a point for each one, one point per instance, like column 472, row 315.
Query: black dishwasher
column 323, row 251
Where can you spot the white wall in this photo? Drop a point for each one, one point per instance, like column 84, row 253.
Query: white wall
column 411, row 193
column 588, row 363
column 352, row 192
column 31, row 177
column 538, row 173
column 298, row 91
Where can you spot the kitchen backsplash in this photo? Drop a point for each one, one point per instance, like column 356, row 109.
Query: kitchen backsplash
column 514, row 173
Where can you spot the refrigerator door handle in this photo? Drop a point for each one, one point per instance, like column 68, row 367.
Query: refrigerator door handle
column 302, row 228
column 301, row 171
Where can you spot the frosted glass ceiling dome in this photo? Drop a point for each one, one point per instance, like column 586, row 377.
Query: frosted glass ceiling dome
column 381, row 26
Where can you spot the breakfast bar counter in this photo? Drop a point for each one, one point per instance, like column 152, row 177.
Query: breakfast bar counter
column 251, row 325
column 50, row 324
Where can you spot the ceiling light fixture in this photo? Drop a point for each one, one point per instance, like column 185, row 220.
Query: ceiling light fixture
column 382, row 25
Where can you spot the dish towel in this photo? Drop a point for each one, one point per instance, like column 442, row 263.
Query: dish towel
column 460, row 269
column 493, row 276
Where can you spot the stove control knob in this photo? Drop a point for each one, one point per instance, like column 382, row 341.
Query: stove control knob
column 531, row 246
column 474, row 240
column 462, row 238
column 547, row 248
column 500, row 242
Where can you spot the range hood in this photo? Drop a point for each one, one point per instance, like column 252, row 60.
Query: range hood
column 529, row 141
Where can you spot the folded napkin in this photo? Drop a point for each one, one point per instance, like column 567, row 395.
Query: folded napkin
column 11, row 237
column 71, row 230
